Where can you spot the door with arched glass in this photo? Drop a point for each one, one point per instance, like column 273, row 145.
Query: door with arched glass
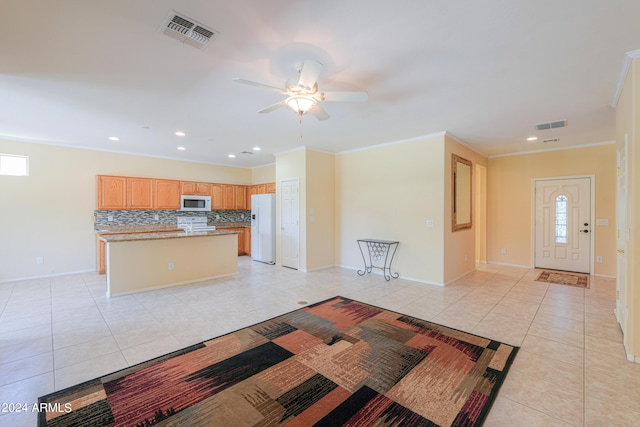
column 563, row 224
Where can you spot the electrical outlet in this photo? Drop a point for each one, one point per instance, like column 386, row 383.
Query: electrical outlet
column 156, row 217
column 504, row 251
column 599, row 259
column 110, row 218
column 171, row 266
column 40, row 260
column 430, row 223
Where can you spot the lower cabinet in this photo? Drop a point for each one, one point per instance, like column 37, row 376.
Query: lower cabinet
column 247, row 241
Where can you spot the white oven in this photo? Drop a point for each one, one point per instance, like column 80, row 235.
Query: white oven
column 195, row 203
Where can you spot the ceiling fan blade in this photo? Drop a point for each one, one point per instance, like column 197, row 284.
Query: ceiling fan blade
column 250, row 83
column 270, row 108
column 309, row 73
column 319, row 113
column 345, row 96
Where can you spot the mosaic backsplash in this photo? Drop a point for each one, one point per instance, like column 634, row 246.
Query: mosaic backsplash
column 135, row 217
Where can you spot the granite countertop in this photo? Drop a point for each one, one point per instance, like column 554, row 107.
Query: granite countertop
column 159, row 228
column 155, row 235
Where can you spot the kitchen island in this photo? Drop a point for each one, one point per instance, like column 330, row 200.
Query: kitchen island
column 146, row 261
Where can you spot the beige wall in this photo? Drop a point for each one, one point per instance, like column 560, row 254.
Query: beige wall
column 320, row 206
column 389, row 192
column 49, row 214
column 263, row 174
column 509, row 204
column 627, row 121
column 460, row 244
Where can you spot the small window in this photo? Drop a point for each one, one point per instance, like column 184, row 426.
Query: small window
column 14, row 165
column 561, row 219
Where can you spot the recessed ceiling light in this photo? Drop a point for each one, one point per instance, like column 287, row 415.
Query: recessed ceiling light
column 256, row 148
column 114, row 138
column 532, row 138
column 182, row 148
column 232, row 156
column 180, row 133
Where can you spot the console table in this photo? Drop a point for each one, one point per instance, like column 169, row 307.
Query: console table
column 378, row 250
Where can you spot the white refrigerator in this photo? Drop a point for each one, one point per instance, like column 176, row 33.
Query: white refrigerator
column 263, row 228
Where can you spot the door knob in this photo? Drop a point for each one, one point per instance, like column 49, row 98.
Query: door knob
column 620, row 251
column 584, row 231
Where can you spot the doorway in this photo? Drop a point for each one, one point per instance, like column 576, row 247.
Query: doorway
column 563, row 224
column 290, row 223
column 622, row 236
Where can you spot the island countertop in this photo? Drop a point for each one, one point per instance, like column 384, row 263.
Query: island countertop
column 155, row 235
column 159, row 228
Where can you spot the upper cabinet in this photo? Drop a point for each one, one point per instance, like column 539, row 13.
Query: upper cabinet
column 121, row 192
column 112, row 192
column 195, row 188
column 270, row 188
column 217, row 197
column 167, row 194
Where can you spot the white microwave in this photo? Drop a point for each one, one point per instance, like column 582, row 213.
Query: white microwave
column 195, row 203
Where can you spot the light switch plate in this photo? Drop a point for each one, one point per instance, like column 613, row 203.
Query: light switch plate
column 602, row 222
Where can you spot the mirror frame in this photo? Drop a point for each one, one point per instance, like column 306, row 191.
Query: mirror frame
column 455, row 226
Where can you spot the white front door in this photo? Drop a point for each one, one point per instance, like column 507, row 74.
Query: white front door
column 563, row 224
column 622, row 230
column 290, row 223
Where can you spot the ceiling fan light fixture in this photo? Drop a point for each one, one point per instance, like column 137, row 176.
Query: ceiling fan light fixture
column 301, row 104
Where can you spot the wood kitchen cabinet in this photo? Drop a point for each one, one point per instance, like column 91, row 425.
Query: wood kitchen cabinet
column 240, row 196
column 270, row 188
column 139, row 193
column 166, row 194
column 242, row 245
column 112, row 192
column 228, row 196
column 120, row 192
column 195, row 188
column 217, row 197
column 247, row 241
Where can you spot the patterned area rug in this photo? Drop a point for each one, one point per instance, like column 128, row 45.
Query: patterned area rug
column 337, row 362
column 564, row 278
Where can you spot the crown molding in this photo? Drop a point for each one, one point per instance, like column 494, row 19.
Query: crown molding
column 544, row 150
column 626, row 64
column 386, row 144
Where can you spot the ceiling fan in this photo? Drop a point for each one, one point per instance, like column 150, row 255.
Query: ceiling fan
column 302, row 92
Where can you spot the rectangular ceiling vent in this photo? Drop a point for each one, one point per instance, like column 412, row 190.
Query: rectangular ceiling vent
column 187, row 30
column 551, row 125
column 550, row 141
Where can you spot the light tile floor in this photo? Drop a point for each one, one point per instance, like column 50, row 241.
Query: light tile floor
column 571, row 369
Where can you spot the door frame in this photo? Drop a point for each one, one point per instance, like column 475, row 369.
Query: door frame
column 592, row 221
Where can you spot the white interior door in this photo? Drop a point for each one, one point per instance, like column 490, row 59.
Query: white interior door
column 290, row 223
column 563, row 224
column 622, row 234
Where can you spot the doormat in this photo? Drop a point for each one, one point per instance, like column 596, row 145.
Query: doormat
column 333, row 363
column 564, row 278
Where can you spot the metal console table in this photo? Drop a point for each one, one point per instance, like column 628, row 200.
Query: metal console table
column 378, row 250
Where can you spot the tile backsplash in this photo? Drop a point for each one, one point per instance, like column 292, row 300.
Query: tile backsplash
column 141, row 217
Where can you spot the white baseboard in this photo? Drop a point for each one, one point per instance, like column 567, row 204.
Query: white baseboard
column 46, row 276
column 509, row 265
column 604, row 277
column 379, row 272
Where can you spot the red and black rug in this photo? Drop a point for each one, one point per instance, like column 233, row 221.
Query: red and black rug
column 337, row 362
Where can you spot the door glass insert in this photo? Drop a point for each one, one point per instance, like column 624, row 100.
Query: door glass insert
column 561, row 219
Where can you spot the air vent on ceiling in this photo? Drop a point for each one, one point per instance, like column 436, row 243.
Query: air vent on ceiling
column 187, row 30
column 551, row 140
column 551, row 125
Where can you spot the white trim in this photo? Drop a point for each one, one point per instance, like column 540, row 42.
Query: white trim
column 386, row 144
column 464, row 144
column 263, row 166
column 379, row 273
column 604, row 276
column 319, row 268
column 505, row 264
column 280, row 153
column 544, row 150
column 129, row 153
column 592, row 190
column 20, row 279
column 626, row 64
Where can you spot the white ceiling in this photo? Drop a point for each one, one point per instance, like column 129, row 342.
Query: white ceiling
column 77, row 72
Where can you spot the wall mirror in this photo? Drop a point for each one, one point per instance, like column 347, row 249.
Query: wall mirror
column 461, row 193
